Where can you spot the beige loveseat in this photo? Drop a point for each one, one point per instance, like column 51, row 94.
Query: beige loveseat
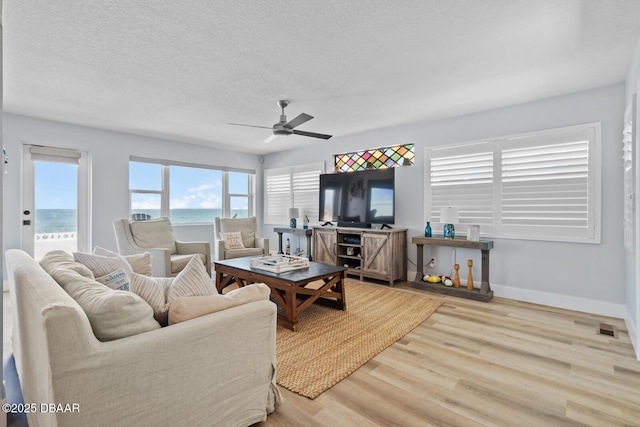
column 218, row 369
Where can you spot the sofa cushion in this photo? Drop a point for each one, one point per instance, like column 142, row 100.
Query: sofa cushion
column 140, row 263
column 155, row 233
column 160, row 292
column 186, row 308
column 239, row 253
column 178, row 262
column 232, row 240
column 247, row 226
column 112, row 314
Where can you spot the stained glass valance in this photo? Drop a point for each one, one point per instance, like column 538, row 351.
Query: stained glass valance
column 377, row 158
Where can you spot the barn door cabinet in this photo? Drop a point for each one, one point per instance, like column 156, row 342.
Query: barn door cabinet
column 366, row 252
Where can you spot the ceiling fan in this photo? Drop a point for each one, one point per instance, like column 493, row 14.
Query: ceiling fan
column 284, row 128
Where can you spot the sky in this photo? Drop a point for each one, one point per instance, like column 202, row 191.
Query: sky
column 191, row 188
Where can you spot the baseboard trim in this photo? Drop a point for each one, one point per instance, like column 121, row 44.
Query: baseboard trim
column 568, row 302
column 550, row 299
column 633, row 332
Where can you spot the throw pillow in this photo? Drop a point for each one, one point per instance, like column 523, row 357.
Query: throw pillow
column 186, row 308
column 140, row 263
column 61, row 260
column 154, row 291
column 112, row 314
column 232, row 240
column 102, row 265
column 117, row 280
column 160, row 292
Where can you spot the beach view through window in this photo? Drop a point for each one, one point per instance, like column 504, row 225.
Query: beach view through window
column 195, row 195
column 56, row 202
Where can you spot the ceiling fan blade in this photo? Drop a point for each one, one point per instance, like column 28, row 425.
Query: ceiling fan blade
column 302, row 118
column 311, row 134
column 251, row 126
column 270, row 139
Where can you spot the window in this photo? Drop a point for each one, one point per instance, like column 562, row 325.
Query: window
column 297, row 187
column 543, row 185
column 188, row 194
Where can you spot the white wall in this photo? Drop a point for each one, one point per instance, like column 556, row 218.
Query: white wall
column 587, row 277
column 110, row 153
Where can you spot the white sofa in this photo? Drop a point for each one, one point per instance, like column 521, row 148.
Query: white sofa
column 218, row 369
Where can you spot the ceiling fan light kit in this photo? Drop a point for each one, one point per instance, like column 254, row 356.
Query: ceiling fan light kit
column 284, row 128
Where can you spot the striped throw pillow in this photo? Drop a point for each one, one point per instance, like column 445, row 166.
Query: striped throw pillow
column 160, row 292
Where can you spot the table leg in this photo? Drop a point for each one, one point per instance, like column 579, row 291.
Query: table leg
column 419, row 261
column 309, row 248
column 484, row 286
column 280, row 242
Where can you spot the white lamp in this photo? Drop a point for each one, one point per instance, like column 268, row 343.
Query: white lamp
column 293, row 215
column 449, row 216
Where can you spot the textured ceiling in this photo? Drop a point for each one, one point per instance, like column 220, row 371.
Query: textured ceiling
column 181, row 70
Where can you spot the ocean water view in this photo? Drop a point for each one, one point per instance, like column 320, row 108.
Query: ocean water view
column 66, row 220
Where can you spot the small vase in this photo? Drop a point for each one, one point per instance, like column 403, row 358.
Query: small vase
column 427, row 230
column 449, row 231
column 293, row 223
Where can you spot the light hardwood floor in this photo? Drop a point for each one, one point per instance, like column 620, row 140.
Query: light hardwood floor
column 503, row 363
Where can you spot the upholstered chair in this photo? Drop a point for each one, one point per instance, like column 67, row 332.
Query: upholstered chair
column 168, row 256
column 251, row 244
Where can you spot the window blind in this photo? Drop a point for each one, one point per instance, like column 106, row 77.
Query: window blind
column 542, row 185
column 461, row 177
column 277, row 195
column 297, row 187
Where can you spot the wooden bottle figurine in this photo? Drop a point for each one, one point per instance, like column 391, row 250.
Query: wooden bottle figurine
column 456, row 278
column 470, row 278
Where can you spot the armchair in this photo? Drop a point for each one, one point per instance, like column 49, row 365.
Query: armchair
column 253, row 245
column 168, row 256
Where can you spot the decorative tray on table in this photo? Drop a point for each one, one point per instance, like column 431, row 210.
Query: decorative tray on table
column 279, row 263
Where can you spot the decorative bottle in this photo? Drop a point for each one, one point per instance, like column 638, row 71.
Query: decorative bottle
column 287, row 249
column 427, row 230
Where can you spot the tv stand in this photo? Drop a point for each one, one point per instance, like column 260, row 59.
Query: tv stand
column 354, row 224
column 366, row 252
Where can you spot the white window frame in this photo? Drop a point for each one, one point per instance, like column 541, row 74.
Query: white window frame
column 292, row 187
column 165, row 192
column 584, row 226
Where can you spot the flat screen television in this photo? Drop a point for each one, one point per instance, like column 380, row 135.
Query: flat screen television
column 358, row 199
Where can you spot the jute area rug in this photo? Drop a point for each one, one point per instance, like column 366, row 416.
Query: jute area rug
column 331, row 344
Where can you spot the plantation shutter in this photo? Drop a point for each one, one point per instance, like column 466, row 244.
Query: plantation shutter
column 306, row 190
column 277, row 195
column 461, row 177
column 297, row 187
column 545, row 185
column 628, row 173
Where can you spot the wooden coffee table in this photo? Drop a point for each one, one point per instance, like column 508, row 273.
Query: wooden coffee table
column 290, row 289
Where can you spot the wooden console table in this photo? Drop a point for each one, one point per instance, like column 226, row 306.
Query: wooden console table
column 484, row 294
column 306, row 231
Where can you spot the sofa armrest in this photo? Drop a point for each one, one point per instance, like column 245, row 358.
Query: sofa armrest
column 220, row 254
column 222, row 364
column 262, row 243
column 185, row 248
